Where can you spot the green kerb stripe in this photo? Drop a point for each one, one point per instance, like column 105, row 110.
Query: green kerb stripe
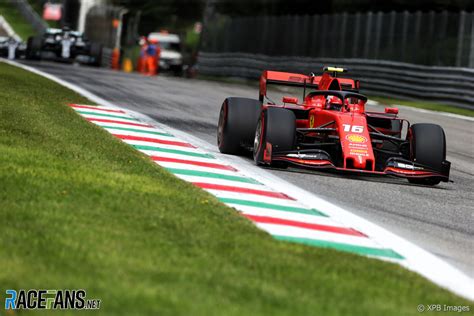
column 212, row 175
column 273, row 206
column 379, row 252
column 135, row 130
column 173, row 151
column 107, row 115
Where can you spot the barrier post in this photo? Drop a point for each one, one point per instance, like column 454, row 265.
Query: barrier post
column 460, row 38
column 116, row 59
column 471, row 50
column 367, row 42
column 127, row 65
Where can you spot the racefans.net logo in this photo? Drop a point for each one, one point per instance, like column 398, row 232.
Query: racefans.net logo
column 49, row 299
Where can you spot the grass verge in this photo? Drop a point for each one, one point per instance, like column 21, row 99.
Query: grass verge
column 433, row 106
column 16, row 20
column 80, row 209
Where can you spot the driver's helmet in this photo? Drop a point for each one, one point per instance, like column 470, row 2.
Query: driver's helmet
column 333, row 103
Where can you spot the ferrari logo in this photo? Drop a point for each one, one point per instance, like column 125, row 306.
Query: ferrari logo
column 311, row 121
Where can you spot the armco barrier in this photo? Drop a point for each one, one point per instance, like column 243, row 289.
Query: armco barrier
column 449, row 85
column 106, row 57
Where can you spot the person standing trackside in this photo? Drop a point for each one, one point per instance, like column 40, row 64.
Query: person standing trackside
column 153, row 53
column 142, row 58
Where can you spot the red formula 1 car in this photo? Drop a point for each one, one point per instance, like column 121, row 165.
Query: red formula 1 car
column 330, row 128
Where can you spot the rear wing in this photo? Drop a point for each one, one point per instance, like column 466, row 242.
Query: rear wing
column 286, row 79
column 313, row 82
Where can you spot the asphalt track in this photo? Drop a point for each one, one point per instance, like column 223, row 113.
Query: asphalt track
column 439, row 219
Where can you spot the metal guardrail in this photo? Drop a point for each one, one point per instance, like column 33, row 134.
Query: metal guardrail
column 106, row 57
column 448, row 85
column 30, row 15
column 99, row 26
column 443, row 38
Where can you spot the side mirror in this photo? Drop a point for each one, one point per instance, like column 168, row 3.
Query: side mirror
column 391, row 110
column 292, row 100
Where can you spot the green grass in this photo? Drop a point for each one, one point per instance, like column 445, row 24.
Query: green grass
column 80, row 209
column 16, row 20
column 433, row 106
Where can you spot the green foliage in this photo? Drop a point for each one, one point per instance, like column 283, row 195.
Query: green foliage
column 191, row 40
column 16, row 20
column 174, row 15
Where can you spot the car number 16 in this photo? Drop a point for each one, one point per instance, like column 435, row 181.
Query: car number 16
column 353, row 128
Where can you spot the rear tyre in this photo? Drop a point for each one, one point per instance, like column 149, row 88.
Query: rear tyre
column 236, row 128
column 276, row 126
column 33, row 48
column 428, row 147
column 96, row 54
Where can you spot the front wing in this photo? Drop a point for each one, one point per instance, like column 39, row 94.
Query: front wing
column 394, row 166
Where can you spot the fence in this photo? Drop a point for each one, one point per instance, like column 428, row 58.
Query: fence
column 101, row 24
column 398, row 54
column 30, row 15
column 450, row 85
column 428, row 38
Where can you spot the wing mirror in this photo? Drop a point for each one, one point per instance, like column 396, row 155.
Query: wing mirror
column 292, row 100
column 391, row 110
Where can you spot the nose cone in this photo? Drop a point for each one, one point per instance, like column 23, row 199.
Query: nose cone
column 355, row 143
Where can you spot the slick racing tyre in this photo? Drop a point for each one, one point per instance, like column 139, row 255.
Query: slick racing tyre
column 236, row 128
column 33, row 48
column 427, row 147
column 276, row 126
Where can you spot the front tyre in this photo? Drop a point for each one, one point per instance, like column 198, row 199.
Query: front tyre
column 276, row 126
column 428, row 147
column 33, row 48
column 236, row 128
